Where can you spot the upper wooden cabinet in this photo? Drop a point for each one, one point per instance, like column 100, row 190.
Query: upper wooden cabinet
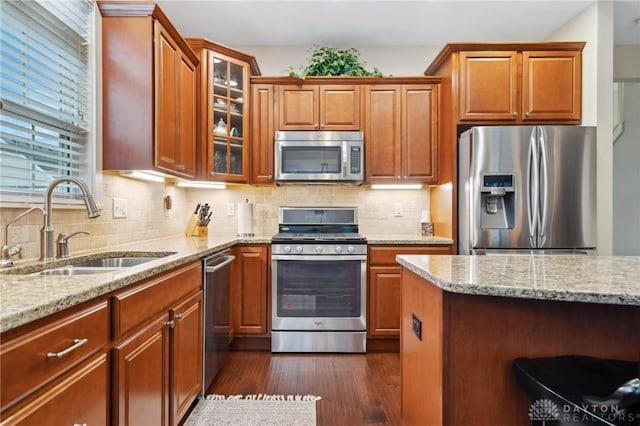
column 514, row 83
column 262, row 134
column 401, row 133
column 224, row 105
column 319, row 107
column 149, row 91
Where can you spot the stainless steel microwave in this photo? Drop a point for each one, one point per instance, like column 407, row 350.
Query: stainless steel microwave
column 319, row 157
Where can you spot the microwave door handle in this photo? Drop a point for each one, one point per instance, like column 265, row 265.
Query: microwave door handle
column 345, row 162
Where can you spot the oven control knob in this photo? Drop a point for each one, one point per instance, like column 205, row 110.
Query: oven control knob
column 338, row 249
column 319, row 249
column 350, row 249
column 287, row 249
column 299, row 249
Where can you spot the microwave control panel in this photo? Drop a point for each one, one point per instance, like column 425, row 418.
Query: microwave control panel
column 356, row 154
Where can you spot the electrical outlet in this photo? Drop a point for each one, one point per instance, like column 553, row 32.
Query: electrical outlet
column 119, row 208
column 231, row 209
column 398, row 210
column 416, row 326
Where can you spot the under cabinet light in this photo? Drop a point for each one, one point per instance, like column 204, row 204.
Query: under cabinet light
column 202, row 185
column 396, row 186
column 148, row 175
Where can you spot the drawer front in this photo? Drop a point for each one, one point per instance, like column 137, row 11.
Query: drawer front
column 387, row 255
column 135, row 306
column 35, row 358
column 80, row 399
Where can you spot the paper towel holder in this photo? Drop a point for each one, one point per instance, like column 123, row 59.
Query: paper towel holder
column 249, row 231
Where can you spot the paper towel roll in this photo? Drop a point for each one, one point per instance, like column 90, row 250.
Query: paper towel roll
column 245, row 219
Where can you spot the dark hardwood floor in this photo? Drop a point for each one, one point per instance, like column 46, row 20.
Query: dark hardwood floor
column 356, row 389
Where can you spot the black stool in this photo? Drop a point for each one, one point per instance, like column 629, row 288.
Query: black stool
column 580, row 390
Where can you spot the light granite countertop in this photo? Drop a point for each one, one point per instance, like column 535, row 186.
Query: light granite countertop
column 26, row 298
column 573, row 278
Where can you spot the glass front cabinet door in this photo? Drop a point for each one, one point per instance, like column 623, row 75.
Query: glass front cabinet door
column 228, row 119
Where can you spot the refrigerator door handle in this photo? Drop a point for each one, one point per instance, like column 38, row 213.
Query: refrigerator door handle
column 544, row 187
column 532, row 186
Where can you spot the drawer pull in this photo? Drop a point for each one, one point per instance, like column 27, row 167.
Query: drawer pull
column 179, row 317
column 76, row 344
column 170, row 324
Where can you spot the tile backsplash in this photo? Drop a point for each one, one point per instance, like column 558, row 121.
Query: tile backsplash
column 146, row 217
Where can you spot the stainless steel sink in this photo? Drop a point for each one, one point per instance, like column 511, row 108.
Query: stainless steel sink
column 106, row 262
column 114, row 262
column 74, row 270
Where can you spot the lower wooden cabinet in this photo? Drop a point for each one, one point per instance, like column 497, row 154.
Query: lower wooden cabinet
column 141, row 376
column 384, row 289
column 186, row 355
column 158, row 366
column 80, row 398
column 249, row 285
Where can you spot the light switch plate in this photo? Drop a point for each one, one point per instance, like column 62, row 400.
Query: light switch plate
column 119, row 208
column 231, row 209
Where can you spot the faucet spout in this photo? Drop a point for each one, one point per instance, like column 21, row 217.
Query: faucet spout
column 47, row 242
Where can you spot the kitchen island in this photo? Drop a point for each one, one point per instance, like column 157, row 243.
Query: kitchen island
column 475, row 314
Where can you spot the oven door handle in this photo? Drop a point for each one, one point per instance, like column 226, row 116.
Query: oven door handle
column 227, row 260
column 333, row 257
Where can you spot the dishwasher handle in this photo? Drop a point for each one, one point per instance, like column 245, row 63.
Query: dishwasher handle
column 225, row 261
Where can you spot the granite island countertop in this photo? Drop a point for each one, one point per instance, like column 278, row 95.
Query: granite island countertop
column 25, row 298
column 572, row 278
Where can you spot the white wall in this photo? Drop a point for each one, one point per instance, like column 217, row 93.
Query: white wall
column 595, row 26
column 626, row 177
column 395, row 60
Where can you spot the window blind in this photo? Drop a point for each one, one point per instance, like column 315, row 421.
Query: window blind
column 45, row 90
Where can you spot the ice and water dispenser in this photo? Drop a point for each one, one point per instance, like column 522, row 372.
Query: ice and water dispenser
column 497, row 201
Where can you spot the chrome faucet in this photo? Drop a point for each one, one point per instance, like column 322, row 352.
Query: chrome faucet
column 9, row 250
column 47, row 241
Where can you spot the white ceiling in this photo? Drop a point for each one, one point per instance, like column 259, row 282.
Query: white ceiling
column 383, row 23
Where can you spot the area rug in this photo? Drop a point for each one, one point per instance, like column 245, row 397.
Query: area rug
column 254, row 410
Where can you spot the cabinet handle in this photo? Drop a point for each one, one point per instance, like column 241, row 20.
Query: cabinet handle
column 322, row 125
column 315, row 125
column 170, row 324
column 179, row 317
column 76, row 344
column 405, row 178
column 515, row 113
column 527, row 113
column 180, row 167
column 270, row 177
column 399, row 177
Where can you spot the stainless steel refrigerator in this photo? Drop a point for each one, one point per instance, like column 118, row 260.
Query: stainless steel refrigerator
column 527, row 188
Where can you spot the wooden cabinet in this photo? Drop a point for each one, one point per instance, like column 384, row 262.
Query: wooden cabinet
column 149, row 91
column 520, row 86
column 384, row 289
column 186, row 355
column 224, row 105
column 262, row 134
column 250, row 295
column 82, row 397
column 401, row 133
column 47, row 365
column 158, row 354
column 319, row 107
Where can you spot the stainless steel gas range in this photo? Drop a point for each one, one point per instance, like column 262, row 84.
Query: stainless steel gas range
column 319, row 263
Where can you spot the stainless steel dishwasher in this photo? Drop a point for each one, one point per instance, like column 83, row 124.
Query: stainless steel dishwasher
column 216, row 315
